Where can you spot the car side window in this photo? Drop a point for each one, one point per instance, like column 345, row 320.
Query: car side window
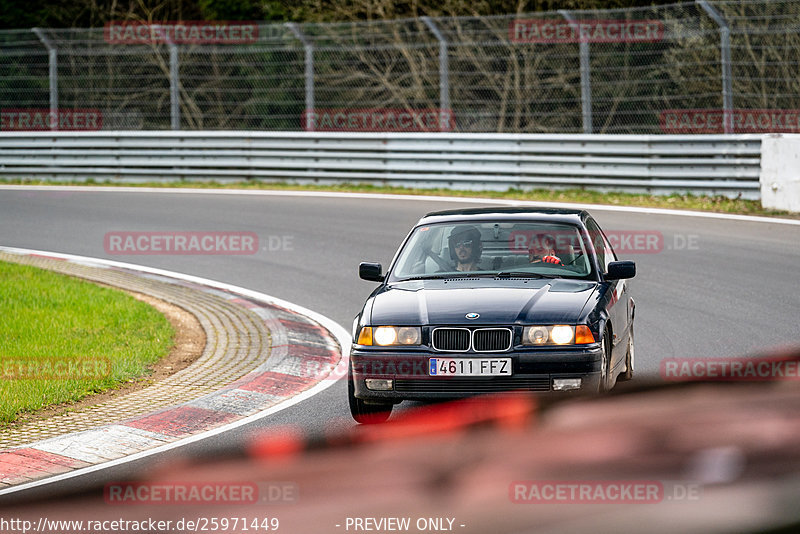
column 610, row 254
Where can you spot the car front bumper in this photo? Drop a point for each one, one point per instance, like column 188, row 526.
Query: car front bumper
column 532, row 371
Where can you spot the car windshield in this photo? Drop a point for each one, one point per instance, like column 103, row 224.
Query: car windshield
column 512, row 249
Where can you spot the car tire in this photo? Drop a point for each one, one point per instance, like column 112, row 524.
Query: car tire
column 364, row 412
column 604, row 364
column 629, row 359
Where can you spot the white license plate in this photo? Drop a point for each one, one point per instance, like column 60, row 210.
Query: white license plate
column 469, row 366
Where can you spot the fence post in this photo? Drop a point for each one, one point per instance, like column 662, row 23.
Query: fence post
column 586, row 73
column 174, row 88
column 725, row 58
column 52, row 53
column 308, row 46
column 444, row 65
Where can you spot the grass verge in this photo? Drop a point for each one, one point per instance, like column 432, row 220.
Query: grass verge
column 62, row 339
column 715, row 204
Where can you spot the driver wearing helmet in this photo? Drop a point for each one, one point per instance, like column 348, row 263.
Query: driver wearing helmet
column 465, row 247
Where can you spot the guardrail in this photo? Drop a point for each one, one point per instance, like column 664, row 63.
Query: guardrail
column 702, row 164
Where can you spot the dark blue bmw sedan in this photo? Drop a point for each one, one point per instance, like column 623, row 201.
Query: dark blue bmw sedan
column 488, row 300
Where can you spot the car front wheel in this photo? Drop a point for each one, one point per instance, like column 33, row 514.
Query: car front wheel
column 362, row 411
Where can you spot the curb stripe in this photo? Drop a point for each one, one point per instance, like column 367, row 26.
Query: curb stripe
column 180, row 421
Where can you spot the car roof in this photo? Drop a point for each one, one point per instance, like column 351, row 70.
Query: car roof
column 563, row 215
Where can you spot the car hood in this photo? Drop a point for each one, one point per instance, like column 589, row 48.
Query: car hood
column 497, row 302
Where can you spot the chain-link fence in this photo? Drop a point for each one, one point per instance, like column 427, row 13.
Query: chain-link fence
column 699, row 67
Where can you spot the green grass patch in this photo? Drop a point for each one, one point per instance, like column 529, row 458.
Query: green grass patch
column 716, row 204
column 62, row 338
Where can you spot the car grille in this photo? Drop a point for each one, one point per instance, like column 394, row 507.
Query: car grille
column 480, row 340
column 471, row 385
column 451, row 339
column 491, row 339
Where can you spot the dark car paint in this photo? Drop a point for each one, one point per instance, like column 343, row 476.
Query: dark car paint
column 497, row 301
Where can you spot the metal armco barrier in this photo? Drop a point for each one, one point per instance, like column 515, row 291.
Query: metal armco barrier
column 702, row 164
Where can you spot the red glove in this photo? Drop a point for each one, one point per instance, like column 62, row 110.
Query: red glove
column 552, row 259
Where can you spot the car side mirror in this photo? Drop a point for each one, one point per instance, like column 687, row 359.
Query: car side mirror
column 619, row 270
column 370, row 271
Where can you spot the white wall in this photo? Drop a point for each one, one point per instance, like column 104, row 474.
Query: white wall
column 780, row 172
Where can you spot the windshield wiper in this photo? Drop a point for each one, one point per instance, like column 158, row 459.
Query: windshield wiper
column 439, row 276
column 454, row 275
column 468, row 274
column 522, row 274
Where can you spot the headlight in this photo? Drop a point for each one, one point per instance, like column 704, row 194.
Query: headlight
column 390, row 335
column 385, row 335
column 562, row 334
column 409, row 335
column 557, row 335
column 536, row 335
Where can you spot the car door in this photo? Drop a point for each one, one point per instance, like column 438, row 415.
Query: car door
column 617, row 296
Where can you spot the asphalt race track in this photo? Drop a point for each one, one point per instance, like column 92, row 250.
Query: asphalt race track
column 713, row 288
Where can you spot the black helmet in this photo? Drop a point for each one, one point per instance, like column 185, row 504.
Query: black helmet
column 465, row 233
